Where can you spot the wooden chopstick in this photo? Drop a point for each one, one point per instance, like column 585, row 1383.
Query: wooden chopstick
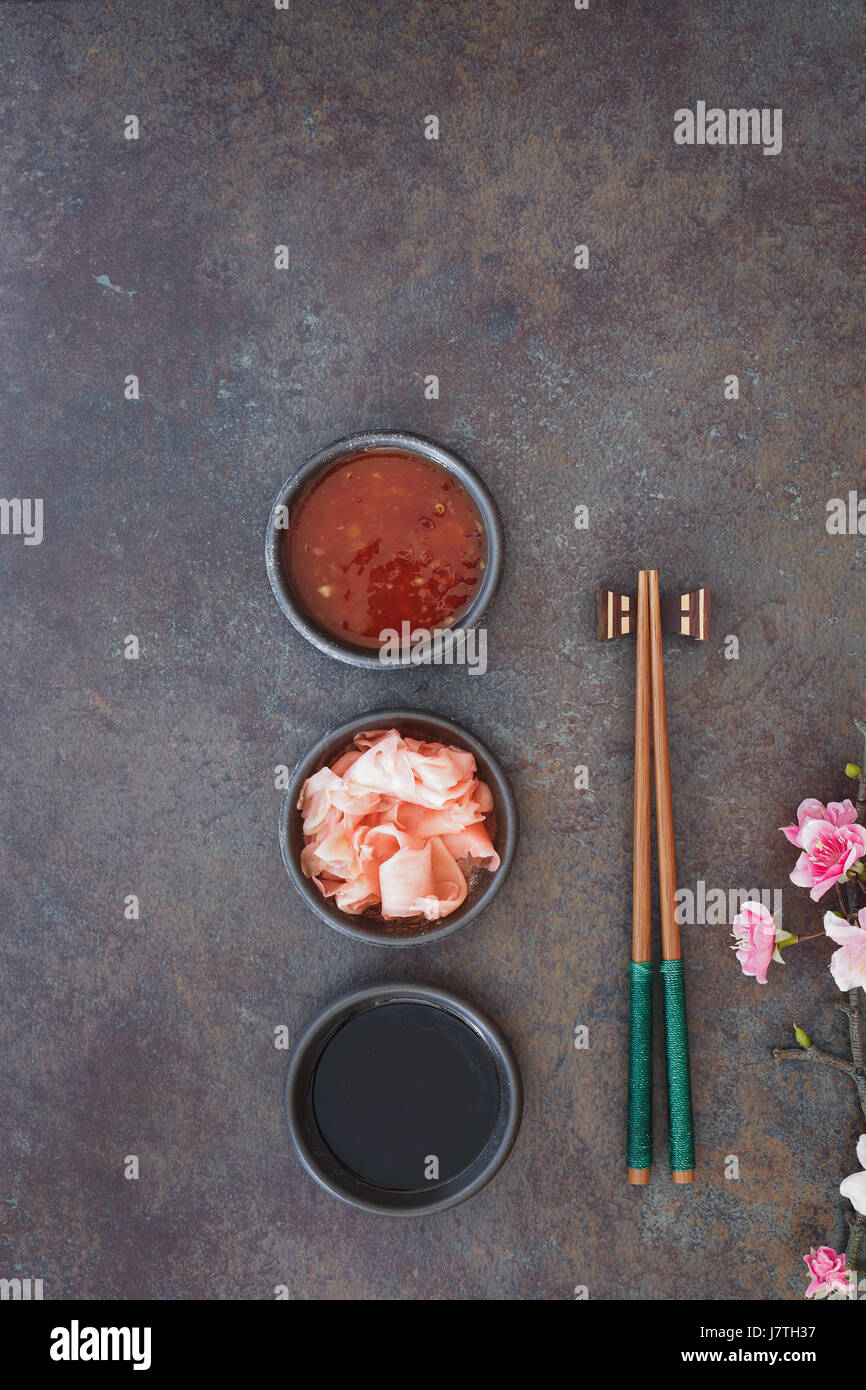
column 676, row 1037
column 639, row 1145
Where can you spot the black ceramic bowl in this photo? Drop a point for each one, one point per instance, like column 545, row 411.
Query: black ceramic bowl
column 333, row 1174
column 483, row 885
column 295, row 489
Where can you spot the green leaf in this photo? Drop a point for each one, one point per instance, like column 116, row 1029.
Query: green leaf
column 802, row 1037
column 852, row 770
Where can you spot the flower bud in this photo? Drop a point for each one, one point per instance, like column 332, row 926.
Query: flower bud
column 852, row 770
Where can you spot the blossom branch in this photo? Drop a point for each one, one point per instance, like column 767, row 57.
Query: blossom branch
column 851, row 1009
column 860, row 726
column 856, row 1232
column 827, row 1059
column 832, row 839
column 848, row 911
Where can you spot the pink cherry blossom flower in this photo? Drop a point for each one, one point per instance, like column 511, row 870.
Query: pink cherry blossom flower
column 836, row 812
column 829, row 851
column 828, row 1271
column 756, row 934
column 854, row 1188
column 848, row 966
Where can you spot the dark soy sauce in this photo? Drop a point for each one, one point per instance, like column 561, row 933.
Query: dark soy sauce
column 399, row 1084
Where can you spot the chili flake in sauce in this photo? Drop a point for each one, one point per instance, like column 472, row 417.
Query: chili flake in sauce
column 385, row 537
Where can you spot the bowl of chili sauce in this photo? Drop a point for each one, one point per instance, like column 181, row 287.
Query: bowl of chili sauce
column 383, row 535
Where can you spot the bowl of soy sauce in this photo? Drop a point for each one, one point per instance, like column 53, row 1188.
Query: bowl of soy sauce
column 402, row 1099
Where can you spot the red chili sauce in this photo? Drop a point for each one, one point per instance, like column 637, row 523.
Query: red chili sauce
column 385, row 537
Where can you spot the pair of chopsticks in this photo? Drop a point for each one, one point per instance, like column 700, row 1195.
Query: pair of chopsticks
column 651, row 727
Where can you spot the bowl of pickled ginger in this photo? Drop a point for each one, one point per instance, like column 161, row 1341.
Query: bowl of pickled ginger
column 398, row 827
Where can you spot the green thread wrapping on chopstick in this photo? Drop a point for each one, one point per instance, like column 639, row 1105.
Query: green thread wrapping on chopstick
column 639, row 1150
column 682, row 1139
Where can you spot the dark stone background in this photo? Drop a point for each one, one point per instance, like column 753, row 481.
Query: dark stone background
column 602, row 387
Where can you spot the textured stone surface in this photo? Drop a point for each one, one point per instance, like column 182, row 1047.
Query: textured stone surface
column 601, row 387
